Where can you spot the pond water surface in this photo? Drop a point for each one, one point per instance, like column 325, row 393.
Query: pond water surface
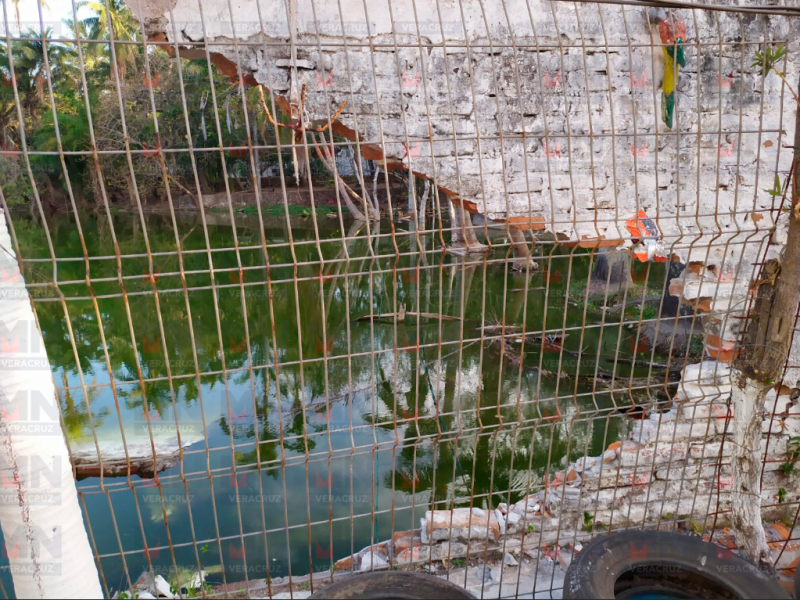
column 361, row 422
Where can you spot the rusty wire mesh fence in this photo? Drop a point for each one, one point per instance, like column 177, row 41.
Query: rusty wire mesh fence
column 306, row 271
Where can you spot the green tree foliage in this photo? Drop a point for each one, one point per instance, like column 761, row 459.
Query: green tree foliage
column 59, row 95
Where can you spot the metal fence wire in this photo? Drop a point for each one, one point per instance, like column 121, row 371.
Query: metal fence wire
column 443, row 285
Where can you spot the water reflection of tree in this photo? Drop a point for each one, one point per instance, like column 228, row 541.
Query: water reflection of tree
column 328, row 303
column 75, row 411
column 76, row 415
column 504, row 456
column 486, row 467
column 261, row 429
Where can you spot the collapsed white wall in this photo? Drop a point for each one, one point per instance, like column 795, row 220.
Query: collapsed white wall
column 573, row 89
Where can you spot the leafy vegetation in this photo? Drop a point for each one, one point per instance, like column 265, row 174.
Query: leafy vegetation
column 131, row 104
column 777, row 189
column 767, row 62
column 696, row 528
column 793, row 452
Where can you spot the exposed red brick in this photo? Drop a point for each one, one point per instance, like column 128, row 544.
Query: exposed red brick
column 345, row 564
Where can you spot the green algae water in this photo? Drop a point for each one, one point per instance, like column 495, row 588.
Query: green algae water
column 321, row 402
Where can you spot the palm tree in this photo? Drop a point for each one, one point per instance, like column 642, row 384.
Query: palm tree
column 31, row 70
column 123, row 28
column 16, row 9
column 95, row 56
column 73, row 124
column 7, row 107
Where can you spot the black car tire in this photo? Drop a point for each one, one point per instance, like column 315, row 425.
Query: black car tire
column 653, row 563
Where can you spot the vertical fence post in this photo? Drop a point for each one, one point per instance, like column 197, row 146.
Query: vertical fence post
column 43, row 530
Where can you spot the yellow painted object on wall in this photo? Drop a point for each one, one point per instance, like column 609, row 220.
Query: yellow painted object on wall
column 673, row 39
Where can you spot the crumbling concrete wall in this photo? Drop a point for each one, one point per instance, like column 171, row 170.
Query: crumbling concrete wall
column 547, row 115
column 528, row 109
column 543, row 114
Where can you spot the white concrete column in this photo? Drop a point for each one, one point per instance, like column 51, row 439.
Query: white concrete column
column 43, row 530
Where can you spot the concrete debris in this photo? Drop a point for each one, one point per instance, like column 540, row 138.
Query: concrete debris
column 197, row 581
column 509, row 175
column 461, row 524
column 501, row 521
column 150, row 586
column 496, row 574
column 484, row 573
column 372, row 560
column 663, row 469
column 155, row 585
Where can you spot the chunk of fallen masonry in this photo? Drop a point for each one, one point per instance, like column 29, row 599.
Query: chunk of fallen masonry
column 460, row 524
